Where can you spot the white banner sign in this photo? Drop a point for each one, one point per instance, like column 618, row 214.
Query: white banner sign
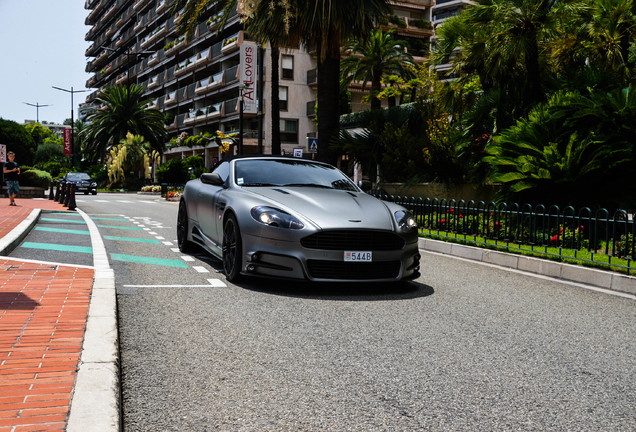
column 249, row 76
column 3, row 153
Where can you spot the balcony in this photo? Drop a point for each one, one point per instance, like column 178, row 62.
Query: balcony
column 153, row 36
column 140, row 3
column 121, row 78
column 231, row 43
column 162, row 6
column 210, row 83
column 186, row 65
column 174, row 46
column 153, row 82
column 413, row 4
column 154, row 59
column 171, row 98
column 230, row 75
column 153, row 104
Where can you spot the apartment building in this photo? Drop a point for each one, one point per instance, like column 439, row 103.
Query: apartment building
column 442, row 10
column 195, row 81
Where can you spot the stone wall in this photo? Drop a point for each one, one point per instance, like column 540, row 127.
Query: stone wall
column 27, row 192
column 457, row 192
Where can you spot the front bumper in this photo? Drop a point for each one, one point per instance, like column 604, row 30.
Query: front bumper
column 289, row 260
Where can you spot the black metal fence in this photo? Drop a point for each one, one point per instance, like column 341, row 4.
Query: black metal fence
column 582, row 236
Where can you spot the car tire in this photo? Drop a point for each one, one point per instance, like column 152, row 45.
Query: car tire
column 85, row 192
column 184, row 244
column 232, row 249
column 94, row 192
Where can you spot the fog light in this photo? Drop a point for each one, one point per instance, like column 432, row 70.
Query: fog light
column 251, row 268
column 255, row 256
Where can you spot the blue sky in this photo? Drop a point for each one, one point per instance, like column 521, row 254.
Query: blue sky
column 41, row 45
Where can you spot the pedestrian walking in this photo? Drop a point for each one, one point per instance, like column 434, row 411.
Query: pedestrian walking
column 12, row 171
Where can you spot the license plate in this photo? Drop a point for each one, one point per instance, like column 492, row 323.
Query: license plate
column 362, row 256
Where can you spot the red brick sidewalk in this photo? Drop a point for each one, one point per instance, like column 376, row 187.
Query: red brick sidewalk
column 11, row 216
column 43, row 311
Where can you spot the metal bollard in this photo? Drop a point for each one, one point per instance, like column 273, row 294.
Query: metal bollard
column 67, row 193
column 71, row 200
column 51, row 195
column 62, row 192
column 57, row 191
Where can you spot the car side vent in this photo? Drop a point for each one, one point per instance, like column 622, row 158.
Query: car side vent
column 282, row 191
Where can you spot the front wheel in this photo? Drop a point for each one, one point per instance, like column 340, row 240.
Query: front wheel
column 232, row 249
column 184, row 244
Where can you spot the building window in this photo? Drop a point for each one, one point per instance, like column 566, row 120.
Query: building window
column 288, row 67
column 289, row 131
column 283, row 97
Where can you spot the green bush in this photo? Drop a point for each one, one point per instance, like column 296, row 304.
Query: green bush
column 173, row 171
column 53, row 168
column 35, row 177
column 195, row 162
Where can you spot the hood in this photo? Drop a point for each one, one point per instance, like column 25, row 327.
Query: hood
column 331, row 208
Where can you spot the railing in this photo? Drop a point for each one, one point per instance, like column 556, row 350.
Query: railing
column 585, row 236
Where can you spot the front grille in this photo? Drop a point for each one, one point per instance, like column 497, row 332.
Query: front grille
column 353, row 270
column 353, row 240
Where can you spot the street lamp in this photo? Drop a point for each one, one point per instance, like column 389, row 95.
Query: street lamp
column 37, row 110
column 71, row 91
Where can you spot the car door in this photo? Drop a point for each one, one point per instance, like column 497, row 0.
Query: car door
column 210, row 207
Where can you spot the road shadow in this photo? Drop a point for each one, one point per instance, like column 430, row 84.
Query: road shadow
column 358, row 291
column 16, row 301
column 368, row 291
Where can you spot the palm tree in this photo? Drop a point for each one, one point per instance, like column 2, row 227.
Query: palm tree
column 560, row 153
column 123, row 110
column 372, row 59
column 327, row 25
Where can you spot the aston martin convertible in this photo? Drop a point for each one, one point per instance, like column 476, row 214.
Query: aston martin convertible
column 294, row 218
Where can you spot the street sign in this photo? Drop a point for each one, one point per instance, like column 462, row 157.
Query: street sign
column 68, row 149
column 312, row 145
column 298, row 152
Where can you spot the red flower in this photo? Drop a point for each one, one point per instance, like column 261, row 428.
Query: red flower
column 554, row 239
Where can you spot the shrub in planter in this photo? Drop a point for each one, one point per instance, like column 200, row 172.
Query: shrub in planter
column 173, row 171
column 35, row 177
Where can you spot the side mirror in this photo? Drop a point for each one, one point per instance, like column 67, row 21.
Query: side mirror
column 365, row 185
column 212, row 179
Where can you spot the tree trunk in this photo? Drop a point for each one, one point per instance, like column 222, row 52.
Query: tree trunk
column 275, row 102
column 328, row 96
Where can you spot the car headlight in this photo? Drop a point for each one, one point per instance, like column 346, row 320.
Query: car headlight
column 405, row 220
column 276, row 218
column 93, row 184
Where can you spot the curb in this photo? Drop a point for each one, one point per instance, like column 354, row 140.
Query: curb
column 568, row 272
column 95, row 404
column 17, row 234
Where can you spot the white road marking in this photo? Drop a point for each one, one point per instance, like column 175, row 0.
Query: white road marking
column 201, row 269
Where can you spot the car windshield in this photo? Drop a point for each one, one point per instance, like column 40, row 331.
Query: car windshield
column 77, row 176
column 276, row 172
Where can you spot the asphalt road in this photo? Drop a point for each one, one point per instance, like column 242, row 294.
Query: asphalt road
column 465, row 347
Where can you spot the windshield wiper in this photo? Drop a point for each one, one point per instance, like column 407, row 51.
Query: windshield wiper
column 258, row 184
column 308, row 185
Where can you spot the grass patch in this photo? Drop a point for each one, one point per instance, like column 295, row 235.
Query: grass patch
column 570, row 256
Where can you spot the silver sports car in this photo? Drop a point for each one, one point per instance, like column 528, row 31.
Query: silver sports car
column 295, row 218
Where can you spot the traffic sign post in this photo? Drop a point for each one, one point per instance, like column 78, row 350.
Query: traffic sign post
column 312, row 145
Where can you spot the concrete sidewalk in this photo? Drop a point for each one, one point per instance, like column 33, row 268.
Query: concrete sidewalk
column 58, row 335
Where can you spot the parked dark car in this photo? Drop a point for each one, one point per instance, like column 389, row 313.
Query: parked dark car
column 83, row 182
